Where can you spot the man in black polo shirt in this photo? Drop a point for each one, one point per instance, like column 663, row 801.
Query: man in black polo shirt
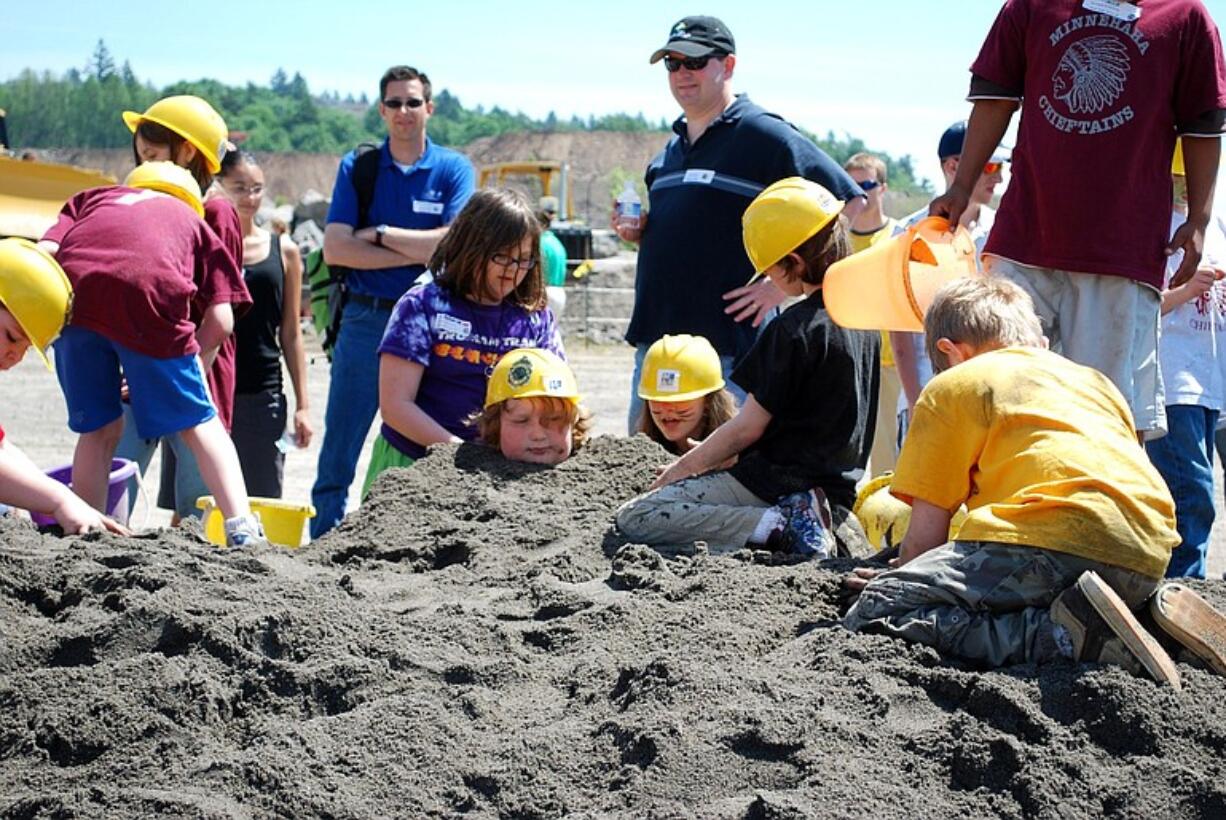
column 692, row 266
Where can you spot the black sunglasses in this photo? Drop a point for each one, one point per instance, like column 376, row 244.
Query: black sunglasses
column 868, row 185
column 396, row 103
column 674, row 64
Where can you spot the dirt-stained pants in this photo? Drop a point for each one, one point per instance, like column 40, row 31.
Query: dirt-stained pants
column 983, row 601
column 715, row 508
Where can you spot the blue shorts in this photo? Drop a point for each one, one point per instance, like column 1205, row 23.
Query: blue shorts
column 167, row 395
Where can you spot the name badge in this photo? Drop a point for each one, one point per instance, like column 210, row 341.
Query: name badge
column 668, row 381
column 421, row 206
column 452, row 327
column 702, row 176
column 1114, row 8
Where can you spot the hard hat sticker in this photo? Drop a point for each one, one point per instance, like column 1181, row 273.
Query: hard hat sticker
column 668, row 381
column 520, row 372
column 553, row 385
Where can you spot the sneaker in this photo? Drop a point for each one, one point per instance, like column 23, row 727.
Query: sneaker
column 1193, row 622
column 1100, row 629
column 808, row 527
column 244, row 531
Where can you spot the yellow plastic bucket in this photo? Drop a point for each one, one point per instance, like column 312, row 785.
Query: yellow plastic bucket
column 283, row 521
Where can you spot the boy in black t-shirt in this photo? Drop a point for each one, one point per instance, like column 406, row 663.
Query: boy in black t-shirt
column 802, row 438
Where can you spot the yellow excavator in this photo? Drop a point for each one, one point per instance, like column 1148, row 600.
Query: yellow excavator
column 574, row 236
column 32, row 191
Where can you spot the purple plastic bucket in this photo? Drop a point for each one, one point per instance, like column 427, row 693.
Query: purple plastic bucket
column 116, row 492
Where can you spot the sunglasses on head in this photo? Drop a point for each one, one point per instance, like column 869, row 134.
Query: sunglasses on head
column 396, row 103
column 675, row 64
column 868, row 185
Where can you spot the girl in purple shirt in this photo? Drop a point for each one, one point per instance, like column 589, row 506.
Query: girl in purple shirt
column 444, row 337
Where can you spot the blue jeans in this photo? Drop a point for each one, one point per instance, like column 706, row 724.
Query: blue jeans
column 1184, row 457
column 353, row 400
column 188, row 483
column 636, row 404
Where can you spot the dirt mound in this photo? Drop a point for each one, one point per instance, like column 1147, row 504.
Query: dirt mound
column 474, row 640
column 593, row 157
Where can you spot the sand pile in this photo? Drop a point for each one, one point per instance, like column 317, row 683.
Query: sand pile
column 474, row 641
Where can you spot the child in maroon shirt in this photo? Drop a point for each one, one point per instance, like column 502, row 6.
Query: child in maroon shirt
column 133, row 288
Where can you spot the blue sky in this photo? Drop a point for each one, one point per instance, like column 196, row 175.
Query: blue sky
column 890, row 72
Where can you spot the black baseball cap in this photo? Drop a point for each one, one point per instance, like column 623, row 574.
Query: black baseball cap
column 697, row 37
column 955, row 137
column 952, row 141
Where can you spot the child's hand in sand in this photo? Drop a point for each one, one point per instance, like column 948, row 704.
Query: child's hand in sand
column 669, row 475
column 76, row 517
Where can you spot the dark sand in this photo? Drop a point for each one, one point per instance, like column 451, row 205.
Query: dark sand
column 474, row 641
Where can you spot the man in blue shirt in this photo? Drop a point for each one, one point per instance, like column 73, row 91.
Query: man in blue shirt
column 419, row 188
column 692, row 266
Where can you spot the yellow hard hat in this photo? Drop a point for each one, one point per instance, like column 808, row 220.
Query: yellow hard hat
column 527, row 372
column 782, row 217
column 34, row 288
column 680, row 368
column 1177, row 160
column 191, row 118
column 169, row 179
column 885, row 518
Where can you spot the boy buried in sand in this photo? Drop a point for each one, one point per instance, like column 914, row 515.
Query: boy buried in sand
column 1069, row 527
column 532, row 411
column 34, row 301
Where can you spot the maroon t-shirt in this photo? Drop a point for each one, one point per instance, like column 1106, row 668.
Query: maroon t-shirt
column 1102, row 101
column 137, row 260
column 223, row 219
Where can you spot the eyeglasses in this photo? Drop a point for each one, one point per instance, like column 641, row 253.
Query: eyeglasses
column 674, row 64
column 397, row 104
column 243, row 190
column 868, row 185
column 512, row 262
column 990, row 168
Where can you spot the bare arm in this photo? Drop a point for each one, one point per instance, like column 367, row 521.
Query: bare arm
column 906, row 362
column 1202, row 280
column 415, row 246
column 728, row 440
column 929, row 528
column 343, row 246
column 215, row 327
column 987, row 125
column 291, row 340
column 1200, row 160
column 399, row 380
column 24, row 485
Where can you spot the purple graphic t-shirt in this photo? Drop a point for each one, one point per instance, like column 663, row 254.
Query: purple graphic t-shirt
column 458, row 342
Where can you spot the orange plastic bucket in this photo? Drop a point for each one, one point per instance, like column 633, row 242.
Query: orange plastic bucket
column 890, row 285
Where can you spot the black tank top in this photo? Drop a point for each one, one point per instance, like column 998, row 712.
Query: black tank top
column 257, row 333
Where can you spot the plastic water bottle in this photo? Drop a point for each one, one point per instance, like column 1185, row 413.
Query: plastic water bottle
column 629, row 207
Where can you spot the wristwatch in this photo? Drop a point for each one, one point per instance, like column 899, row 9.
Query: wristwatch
column 380, row 230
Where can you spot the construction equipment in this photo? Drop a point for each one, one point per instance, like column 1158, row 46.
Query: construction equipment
column 544, row 171
column 32, row 192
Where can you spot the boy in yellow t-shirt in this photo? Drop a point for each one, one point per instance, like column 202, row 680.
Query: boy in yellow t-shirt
column 1069, row 527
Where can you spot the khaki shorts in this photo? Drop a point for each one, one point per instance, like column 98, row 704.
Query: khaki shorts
column 1109, row 323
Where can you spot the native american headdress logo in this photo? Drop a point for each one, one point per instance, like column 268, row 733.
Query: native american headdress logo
column 1091, row 74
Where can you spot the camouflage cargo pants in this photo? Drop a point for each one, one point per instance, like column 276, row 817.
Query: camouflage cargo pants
column 717, row 509
column 981, row 600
